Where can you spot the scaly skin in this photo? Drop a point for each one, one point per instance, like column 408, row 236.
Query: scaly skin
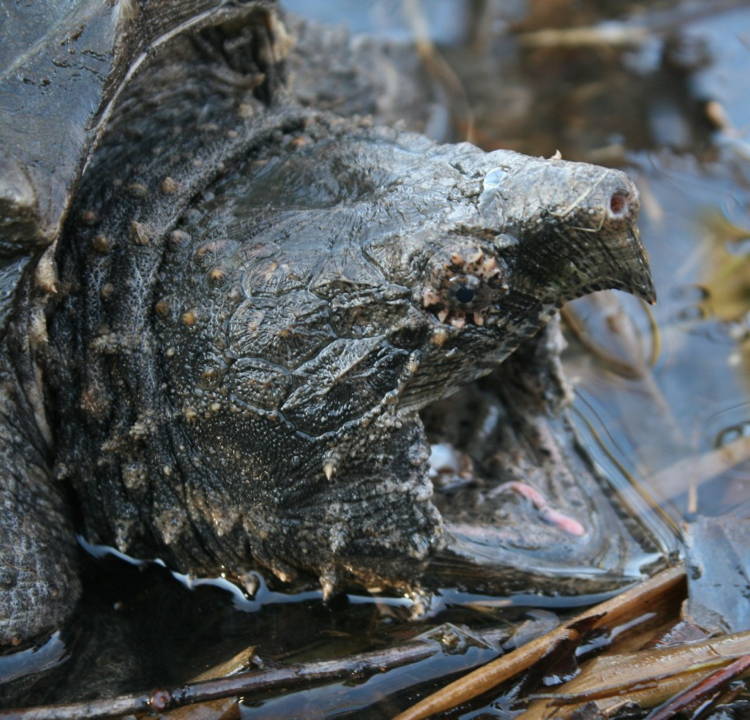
column 252, row 302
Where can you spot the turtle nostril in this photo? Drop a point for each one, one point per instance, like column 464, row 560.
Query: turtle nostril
column 618, row 203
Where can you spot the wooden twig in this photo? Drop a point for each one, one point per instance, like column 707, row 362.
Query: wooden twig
column 627, row 605
column 437, row 66
column 630, row 33
column 710, row 685
column 286, row 678
column 647, row 677
column 623, row 368
column 698, row 469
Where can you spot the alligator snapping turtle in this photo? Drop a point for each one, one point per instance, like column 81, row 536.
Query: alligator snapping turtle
column 228, row 355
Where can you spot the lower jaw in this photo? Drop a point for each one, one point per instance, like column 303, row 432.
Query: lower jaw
column 525, row 509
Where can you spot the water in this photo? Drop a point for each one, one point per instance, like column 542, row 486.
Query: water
column 643, row 105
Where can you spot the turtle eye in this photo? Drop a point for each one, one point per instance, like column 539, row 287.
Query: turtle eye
column 464, row 294
column 464, row 289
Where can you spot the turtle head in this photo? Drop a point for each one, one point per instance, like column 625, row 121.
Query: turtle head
column 384, row 262
column 502, row 242
column 539, row 233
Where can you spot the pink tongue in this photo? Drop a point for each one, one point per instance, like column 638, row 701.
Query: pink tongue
column 567, row 524
column 446, row 460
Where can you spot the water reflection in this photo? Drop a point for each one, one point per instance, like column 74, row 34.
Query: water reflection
column 732, row 433
column 36, row 659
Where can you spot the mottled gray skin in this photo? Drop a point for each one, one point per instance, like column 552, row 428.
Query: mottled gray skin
column 222, row 361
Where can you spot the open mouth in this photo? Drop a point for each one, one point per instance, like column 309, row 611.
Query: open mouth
column 525, row 508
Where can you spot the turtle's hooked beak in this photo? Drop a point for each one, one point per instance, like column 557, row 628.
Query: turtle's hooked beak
column 575, row 225
column 562, row 263
column 612, row 263
column 635, row 270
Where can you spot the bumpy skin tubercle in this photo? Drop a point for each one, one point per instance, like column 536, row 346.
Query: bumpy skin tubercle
column 227, row 352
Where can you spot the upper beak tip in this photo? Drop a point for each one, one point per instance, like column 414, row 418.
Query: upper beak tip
column 648, row 294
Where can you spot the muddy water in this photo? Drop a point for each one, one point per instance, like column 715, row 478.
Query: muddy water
column 660, row 89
